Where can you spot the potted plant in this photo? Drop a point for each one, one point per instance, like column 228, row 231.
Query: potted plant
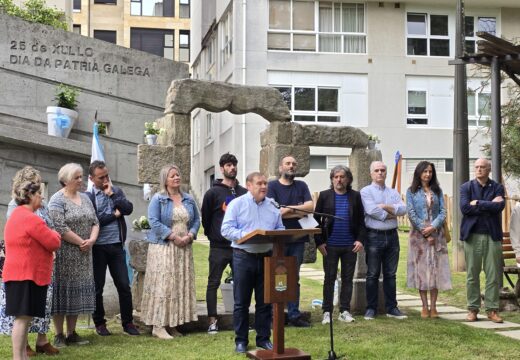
column 151, row 131
column 102, row 128
column 372, row 141
column 141, row 224
column 61, row 118
column 227, row 291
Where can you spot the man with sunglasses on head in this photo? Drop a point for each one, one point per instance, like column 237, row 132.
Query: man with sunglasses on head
column 382, row 206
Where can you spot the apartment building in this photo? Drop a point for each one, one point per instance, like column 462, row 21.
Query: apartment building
column 159, row 27
column 381, row 66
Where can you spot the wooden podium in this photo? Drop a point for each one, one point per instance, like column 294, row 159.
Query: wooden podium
column 280, row 286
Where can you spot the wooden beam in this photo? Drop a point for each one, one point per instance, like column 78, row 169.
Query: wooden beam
column 489, row 37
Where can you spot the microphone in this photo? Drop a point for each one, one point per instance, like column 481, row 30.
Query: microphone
column 274, row 203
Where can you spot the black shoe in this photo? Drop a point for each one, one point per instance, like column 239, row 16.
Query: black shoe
column 131, row 329
column 266, row 345
column 102, row 330
column 299, row 322
column 241, row 348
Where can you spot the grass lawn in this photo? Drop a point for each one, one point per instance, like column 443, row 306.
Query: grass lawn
column 383, row 338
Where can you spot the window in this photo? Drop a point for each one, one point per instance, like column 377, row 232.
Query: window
column 184, row 9
column 226, row 36
column 417, row 114
column 76, row 5
column 474, row 24
column 312, row 103
column 184, row 45
column 210, row 53
column 163, row 8
column 76, row 29
column 196, row 133
column 339, row 27
column 114, row 2
column 106, row 35
column 441, row 165
column 479, row 108
column 427, row 35
column 154, row 41
column 209, row 127
column 318, row 162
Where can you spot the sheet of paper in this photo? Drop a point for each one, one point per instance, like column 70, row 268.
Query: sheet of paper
column 308, row 222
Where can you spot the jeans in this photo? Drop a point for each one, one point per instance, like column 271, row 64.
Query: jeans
column 218, row 259
column 382, row 249
column 480, row 251
column 113, row 256
column 248, row 272
column 330, row 267
column 295, row 249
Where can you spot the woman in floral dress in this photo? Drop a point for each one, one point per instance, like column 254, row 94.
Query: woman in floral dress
column 169, row 286
column 428, row 263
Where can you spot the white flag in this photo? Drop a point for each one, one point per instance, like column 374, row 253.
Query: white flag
column 97, row 151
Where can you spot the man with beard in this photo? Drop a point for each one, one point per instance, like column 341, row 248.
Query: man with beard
column 214, row 206
column 294, row 193
column 341, row 239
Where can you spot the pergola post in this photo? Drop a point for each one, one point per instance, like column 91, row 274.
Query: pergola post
column 496, row 121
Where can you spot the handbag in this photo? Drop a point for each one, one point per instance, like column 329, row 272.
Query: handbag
column 447, row 233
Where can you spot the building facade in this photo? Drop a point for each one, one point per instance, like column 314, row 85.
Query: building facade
column 377, row 65
column 159, row 27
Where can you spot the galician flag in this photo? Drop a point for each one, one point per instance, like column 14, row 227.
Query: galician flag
column 97, row 151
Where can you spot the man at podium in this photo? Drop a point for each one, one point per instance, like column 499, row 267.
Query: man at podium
column 247, row 213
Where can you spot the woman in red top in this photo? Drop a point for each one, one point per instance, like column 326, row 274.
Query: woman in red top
column 29, row 246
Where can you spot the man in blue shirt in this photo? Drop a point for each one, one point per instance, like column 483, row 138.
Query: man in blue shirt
column 295, row 193
column 481, row 204
column 111, row 206
column 382, row 206
column 245, row 214
column 341, row 238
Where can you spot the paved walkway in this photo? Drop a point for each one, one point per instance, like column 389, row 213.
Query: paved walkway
column 507, row 328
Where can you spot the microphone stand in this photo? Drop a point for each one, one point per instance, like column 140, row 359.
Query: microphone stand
column 331, row 354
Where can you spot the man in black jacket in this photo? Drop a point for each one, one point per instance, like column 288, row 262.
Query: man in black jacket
column 340, row 239
column 213, row 209
column 111, row 206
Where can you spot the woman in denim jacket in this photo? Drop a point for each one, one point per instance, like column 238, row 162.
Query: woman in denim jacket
column 428, row 263
column 169, row 286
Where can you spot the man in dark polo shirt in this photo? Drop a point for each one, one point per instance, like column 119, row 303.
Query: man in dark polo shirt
column 295, row 193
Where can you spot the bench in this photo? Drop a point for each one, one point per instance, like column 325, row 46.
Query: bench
column 510, row 268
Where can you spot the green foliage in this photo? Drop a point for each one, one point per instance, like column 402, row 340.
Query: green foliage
column 511, row 132
column 102, row 128
column 65, row 96
column 36, row 11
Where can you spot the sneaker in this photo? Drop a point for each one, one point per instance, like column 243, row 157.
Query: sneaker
column 102, row 330
column 370, row 314
column 345, row 317
column 131, row 329
column 326, row 318
column 396, row 314
column 213, row 328
column 75, row 339
column 60, row 341
column 299, row 322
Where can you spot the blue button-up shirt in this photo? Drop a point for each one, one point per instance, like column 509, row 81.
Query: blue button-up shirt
column 376, row 218
column 108, row 234
column 245, row 215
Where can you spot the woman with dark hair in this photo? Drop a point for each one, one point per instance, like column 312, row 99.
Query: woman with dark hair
column 29, row 245
column 428, row 264
column 169, row 287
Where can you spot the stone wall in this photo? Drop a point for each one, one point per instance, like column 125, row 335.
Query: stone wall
column 125, row 87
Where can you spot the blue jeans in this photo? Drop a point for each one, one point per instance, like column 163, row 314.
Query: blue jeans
column 248, row 275
column 295, row 249
column 382, row 249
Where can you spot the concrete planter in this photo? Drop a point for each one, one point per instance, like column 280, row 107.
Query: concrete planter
column 60, row 121
column 227, row 297
column 371, row 144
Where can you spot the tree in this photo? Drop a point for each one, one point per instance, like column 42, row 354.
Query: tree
column 36, row 11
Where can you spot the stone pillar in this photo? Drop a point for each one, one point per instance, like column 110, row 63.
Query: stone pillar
column 279, row 139
column 360, row 160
